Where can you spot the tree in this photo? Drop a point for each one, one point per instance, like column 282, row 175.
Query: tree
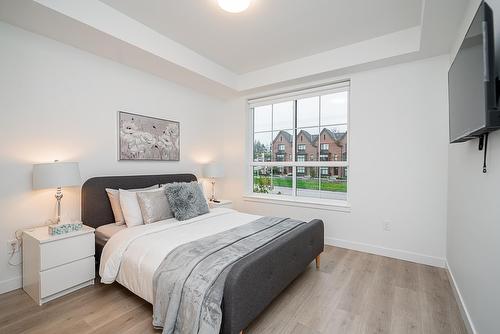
column 312, row 172
column 260, row 150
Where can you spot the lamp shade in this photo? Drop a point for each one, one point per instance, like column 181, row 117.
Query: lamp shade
column 213, row 170
column 56, row 174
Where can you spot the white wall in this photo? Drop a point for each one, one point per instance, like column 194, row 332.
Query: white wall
column 58, row 102
column 398, row 172
column 473, row 236
column 473, row 251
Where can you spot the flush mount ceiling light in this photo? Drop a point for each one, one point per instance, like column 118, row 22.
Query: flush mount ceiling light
column 234, row 6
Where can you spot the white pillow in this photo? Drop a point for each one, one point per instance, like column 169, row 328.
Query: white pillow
column 202, row 187
column 131, row 208
column 114, row 200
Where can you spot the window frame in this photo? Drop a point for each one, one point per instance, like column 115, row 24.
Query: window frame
column 294, row 163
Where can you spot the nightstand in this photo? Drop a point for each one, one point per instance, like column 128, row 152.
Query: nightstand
column 224, row 203
column 54, row 265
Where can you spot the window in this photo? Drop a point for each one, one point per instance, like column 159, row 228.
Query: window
column 324, row 157
column 300, row 143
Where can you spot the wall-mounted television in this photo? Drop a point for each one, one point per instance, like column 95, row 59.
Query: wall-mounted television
column 472, row 80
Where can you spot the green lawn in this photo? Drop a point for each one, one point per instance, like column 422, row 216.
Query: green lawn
column 337, row 186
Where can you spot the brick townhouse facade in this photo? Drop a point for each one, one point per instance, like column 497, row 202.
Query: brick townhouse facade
column 282, row 146
column 327, row 146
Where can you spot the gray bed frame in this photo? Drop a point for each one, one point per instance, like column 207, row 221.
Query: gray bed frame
column 254, row 281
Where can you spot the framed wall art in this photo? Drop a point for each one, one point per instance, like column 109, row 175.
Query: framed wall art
column 147, row 138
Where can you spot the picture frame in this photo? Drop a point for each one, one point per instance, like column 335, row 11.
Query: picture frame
column 146, row 138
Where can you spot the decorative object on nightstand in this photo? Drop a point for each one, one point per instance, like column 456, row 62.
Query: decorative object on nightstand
column 212, row 171
column 223, row 203
column 56, row 175
column 57, row 229
column 54, row 265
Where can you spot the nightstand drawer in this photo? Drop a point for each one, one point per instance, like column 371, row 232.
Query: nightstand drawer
column 56, row 253
column 66, row 276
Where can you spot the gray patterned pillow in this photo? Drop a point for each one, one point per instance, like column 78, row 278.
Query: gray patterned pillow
column 154, row 206
column 186, row 199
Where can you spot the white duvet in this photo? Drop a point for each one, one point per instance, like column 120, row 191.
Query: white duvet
column 132, row 255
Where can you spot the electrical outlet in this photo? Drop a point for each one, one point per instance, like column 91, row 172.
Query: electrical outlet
column 12, row 246
column 387, row 226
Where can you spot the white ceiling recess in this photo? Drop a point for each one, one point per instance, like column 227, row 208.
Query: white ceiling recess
column 272, row 44
column 271, row 32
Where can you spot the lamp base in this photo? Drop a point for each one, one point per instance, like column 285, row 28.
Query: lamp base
column 212, row 197
column 59, row 196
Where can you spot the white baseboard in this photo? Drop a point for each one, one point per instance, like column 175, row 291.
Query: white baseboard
column 460, row 301
column 389, row 252
column 11, row 284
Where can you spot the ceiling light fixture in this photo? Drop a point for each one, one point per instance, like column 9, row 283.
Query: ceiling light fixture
column 234, row 6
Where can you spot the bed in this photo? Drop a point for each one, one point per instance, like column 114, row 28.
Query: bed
column 132, row 255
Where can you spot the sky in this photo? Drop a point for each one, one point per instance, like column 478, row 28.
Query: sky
column 323, row 111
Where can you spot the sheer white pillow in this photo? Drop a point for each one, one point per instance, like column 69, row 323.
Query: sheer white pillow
column 131, row 208
column 114, row 200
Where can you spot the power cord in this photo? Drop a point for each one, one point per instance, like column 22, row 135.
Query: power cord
column 485, row 170
column 19, row 237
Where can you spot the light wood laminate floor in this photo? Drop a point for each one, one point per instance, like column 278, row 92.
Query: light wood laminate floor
column 353, row 292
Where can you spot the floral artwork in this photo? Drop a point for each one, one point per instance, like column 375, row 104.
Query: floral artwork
column 148, row 138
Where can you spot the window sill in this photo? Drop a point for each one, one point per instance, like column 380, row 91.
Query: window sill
column 316, row 203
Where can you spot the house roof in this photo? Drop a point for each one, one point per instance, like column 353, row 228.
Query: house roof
column 336, row 136
column 287, row 136
column 310, row 138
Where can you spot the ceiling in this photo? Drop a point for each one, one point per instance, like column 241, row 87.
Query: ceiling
column 274, row 45
column 270, row 31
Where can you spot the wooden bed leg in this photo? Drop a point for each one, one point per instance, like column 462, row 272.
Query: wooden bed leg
column 318, row 261
column 242, row 332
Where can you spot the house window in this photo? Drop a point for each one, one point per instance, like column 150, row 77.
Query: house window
column 309, row 123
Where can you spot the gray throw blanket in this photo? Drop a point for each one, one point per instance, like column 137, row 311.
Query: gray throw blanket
column 189, row 283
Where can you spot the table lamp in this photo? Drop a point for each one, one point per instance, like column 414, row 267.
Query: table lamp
column 56, row 175
column 213, row 171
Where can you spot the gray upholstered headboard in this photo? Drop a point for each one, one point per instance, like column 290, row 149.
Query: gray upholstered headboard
column 96, row 209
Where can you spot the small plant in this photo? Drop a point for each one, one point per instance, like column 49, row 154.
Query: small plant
column 262, row 184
